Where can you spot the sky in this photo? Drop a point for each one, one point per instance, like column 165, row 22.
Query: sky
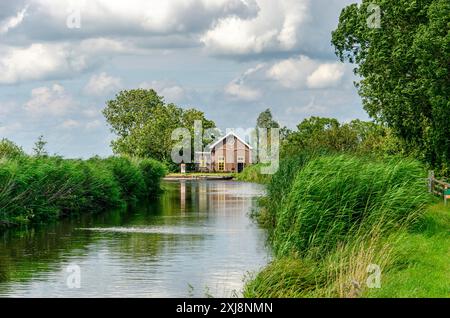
column 61, row 60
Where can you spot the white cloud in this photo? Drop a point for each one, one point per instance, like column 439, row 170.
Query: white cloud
column 12, row 22
column 172, row 92
column 70, row 124
column 239, row 91
column 102, row 84
column 275, row 29
column 93, row 124
column 303, row 72
column 52, row 101
column 152, row 16
column 292, row 73
column 39, row 61
column 326, row 75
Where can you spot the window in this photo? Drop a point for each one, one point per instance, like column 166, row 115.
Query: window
column 221, row 164
column 240, row 159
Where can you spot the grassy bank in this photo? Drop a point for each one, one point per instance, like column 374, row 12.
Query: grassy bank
column 253, row 173
column 330, row 218
column 37, row 189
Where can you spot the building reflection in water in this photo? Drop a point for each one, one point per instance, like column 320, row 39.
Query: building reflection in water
column 183, row 196
column 202, row 196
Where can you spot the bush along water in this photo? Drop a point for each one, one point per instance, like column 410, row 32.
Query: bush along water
column 37, row 189
column 330, row 217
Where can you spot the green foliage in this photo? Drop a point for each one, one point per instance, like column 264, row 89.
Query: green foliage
column 325, row 135
column 280, row 186
column 144, row 124
column 265, row 120
column 404, row 66
column 253, row 173
column 39, row 147
column 330, row 216
column 10, row 150
column 333, row 198
column 128, row 175
column 36, row 189
column 284, row 278
column 152, row 172
column 422, row 271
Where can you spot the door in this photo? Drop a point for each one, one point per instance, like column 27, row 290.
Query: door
column 240, row 167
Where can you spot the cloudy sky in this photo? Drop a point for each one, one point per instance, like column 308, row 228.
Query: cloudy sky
column 60, row 60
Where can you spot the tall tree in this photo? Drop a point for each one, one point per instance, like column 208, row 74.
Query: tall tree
column 265, row 121
column 144, row 124
column 405, row 69
column 39, row 147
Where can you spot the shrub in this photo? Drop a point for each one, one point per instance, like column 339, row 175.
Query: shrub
column 9, row 150
column 35, row 189
column 129, row 177
column 253, row 173
column 152, row 171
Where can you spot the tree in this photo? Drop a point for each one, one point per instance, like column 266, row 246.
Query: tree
column 144, row 123
column 320, row 134
column 10, row 150
column 265, row 121
column 39, row 147
column 405, row 70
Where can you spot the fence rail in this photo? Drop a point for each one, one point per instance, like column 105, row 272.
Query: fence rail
column 439, row 187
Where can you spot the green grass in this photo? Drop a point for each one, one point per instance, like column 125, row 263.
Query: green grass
column 253, row 174
column 341, row 214
column 424, row 266
column 35, row 190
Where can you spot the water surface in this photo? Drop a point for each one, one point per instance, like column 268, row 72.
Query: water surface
column 196, row 240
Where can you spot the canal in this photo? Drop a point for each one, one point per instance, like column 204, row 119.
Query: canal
column 196, row 240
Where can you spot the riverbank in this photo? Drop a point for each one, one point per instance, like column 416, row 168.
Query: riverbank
column 253, row 173
column 39, row 189
column 199, row 176
column 335, row 222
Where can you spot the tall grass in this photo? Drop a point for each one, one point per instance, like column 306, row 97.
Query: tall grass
column 39, row 189
column 337, row 197
column 332, row 216
column 280, row 186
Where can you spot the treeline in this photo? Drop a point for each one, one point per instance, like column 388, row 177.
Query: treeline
column 143, row 123
column 404, row 67
column 328, row 135
column 40, row 188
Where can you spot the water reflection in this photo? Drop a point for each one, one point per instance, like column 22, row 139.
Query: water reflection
column 197, row 239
